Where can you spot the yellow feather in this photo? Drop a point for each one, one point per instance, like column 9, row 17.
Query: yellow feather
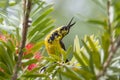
column 52, row 40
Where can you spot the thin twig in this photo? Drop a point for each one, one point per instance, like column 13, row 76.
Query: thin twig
column 107, row 62
column 108, row 20
column 26, row 13
column 113, row 47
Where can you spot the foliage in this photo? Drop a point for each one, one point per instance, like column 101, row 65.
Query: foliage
column 11, row 30
column 90, row 55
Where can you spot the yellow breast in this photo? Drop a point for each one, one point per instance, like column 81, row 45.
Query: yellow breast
column 52, row 48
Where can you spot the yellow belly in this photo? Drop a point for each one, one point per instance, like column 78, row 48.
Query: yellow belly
column 53, row 48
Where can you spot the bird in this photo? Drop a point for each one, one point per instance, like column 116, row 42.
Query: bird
column 53, row 41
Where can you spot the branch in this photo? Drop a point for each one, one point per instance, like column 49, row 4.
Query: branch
column 113, row 46
column 26, row 13
column 108, row 60
column 108, row 20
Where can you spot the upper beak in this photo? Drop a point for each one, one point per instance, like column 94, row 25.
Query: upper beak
column 70, row 24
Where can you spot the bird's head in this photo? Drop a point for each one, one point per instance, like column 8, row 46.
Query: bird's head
column 65, row 29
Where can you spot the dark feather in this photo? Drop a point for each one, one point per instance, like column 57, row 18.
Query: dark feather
column 62, row 45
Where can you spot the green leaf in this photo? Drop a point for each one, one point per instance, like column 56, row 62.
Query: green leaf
column 27, row 56
column 29, row 62
column 77, row 53
column 33, row 37
column 4, row 75
column 41, row 26
column 86, row 60
column 4, row 67
column 50, row 59
column 95, row 53
column 76, row 44
column 51, row 67
column 36, row 47
column 86, row 74
column 69, row 50
column 6, row 58
column 41, row 11
column 56, row 58
column 105, row 44
column 70, row 74
column 69, row 53
column 79, row 59
column 42, row 16
column 39, row 35
column 91, row 63
column 103, row 23
column 55, row 73
column 34, row 75
column 36, row 10
column 10, row 47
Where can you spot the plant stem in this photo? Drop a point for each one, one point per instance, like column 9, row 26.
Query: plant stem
column 112, row 48
column 26, row 13
column 108, row 20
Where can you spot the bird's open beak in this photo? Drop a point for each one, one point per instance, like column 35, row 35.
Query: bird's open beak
column 70, row 24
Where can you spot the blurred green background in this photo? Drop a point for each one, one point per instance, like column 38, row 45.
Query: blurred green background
column 64, row 10
column 81, row 10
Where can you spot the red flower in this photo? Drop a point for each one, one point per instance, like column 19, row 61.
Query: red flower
column 32, row 66
column 28, row 47
column 2, row 37
column 38, row 55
